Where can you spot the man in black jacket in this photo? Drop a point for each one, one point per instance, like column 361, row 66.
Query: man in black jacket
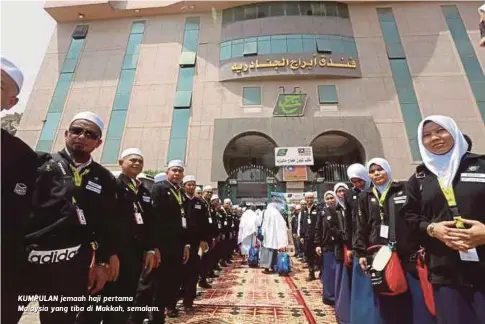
column 72, row 218
column 18, row 180
column 173, row 239
column 211, row 232
column 308, row 222
column 137, row 248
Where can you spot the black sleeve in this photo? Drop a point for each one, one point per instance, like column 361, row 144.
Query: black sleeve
column 349, row 216
column 160, row 222
column 302, row 225
column 361, row 239
column 319, row 228
column 413, row 211
column 109, row 240
column 482, row 28
column 149, row 228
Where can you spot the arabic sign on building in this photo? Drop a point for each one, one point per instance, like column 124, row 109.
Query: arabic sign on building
column 298, row 196
column 293, row 156
column 291, row 104
column 317, row 61
column 295, row 173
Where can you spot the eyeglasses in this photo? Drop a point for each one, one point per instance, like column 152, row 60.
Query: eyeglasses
column 77, row 131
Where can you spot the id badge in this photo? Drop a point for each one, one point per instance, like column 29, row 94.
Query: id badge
column 225, row 223
column 219, row 225
column 470, row 255
column 384, row 231
column 138, row 218
column 232, row 225
column 210, row 220
column 80, row 216
column 184, row 222
column 309, row 221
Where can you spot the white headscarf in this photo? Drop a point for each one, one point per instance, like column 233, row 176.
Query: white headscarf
column 329, row 192
column 386, row 166
column 335, row 188
column 443, row 166
column 357, row 170
column 248, row 225
column 481, row 10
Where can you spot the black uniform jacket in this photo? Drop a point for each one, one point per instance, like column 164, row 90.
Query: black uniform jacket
column 330, row 230
column 369, row 223
column 294, row 224
column 427, row 204
column 171, row 236
column 55, row 222
column 197, row 220
column 351, row 199
column 138, row 234
column 212, row 230
column 19, row 171
column 307, row 223
column 227, row 224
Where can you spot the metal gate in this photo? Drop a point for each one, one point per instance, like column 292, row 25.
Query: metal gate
column 250, row 183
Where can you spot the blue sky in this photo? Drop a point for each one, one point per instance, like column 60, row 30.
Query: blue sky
column 26, row 32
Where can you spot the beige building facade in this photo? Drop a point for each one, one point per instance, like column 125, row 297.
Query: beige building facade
column 221, row 84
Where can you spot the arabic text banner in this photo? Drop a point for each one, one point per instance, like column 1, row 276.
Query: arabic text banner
column 293, row 156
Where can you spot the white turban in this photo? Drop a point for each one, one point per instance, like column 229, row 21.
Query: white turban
column 92, row 117
column 175, row 163
column 159, row 177
column 13, row 72
column 309, row 195
column 188, row 178
column 131, row 151
column 215, row 197
column 303, row 201
column 227, row 201
column 208, row 188
column 298, row 207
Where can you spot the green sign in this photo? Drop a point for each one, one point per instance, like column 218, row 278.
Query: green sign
column 291, row 104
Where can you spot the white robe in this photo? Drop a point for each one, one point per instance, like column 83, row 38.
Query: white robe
column 275, row 232
column 247, row 228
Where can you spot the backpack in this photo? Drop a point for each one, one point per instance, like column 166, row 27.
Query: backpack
column 283, row 264
column 253, row 257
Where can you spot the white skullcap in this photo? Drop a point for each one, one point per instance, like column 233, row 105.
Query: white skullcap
column 227, row 200
column 208, row 188
column 292, row 205
column 131, row 151
column 309, row 195
column 198, row 189
column 142, row 176
column 159, row 177
column 92, row 117
column 235, row 206
column 303, row 201
column 116, row 173
column 215, row 197
column 13, row 72
column 175, row 163
column 188, row 178
column 298, row 207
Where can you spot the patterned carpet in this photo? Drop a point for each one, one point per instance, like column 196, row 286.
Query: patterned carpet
column 246, row 295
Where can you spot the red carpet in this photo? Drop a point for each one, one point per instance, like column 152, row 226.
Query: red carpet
column 246, row 295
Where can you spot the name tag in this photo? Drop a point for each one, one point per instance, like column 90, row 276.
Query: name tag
column 80, row 216
column 138, row 218
column 232, row 225
column 92, row 188
column 473, row 177
column 470, row 255
column 225, row 223
column 309, row 221
column 314, row 212
column 384, row 231
column 198, row 207
column 210, row 220
column 219, row 225
column 146, row 199
column 184, row 222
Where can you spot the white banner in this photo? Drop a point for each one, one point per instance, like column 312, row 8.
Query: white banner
column 293, row 156
column 297, row 196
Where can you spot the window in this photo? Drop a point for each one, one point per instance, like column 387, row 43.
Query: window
column 50, row 127
column 331, row 9
column 323, row 45
column 113, row 137
column 227, row 16
column 178, row 134
column 138, row 27
column 192, row 23
column 237, row 48
column 185, row 79
column 264, row 45
column 60, row 93
column 251, row 96
column 292, row 9
column 127, row 77
column 343, row 10
column 191, row 40
column 294, row 43
column 327, row 94
column 134, row 44
column 278, row 44
column 251, row 12
column 251, row 46
column 187, row 59
column 277, row 9
column 80, row 32
column 183, row 99
column 225, row 51
column 130, row 61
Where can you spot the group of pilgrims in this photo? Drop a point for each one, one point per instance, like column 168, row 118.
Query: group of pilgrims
column 388, row 251
column 391, row 252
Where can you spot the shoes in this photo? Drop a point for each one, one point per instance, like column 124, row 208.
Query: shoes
column 223, row 264
column 266, row 271
column 173, row 313
column 189, row 309
column 204, row 284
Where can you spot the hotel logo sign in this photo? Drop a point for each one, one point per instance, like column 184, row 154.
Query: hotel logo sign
column 316, row 62
column 290, row 105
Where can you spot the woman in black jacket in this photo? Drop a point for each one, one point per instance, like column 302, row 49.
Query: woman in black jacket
column 446, row 203
column 380, row 222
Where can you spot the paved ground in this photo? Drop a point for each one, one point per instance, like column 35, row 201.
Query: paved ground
column 246, row 295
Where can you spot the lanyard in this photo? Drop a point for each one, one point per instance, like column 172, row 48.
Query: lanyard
column 381, row 199
column 178, row 196
column 450, row 199
column 132, row 187
column 78, row 179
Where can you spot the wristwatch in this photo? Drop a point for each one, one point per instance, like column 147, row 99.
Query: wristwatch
column 430, row 229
